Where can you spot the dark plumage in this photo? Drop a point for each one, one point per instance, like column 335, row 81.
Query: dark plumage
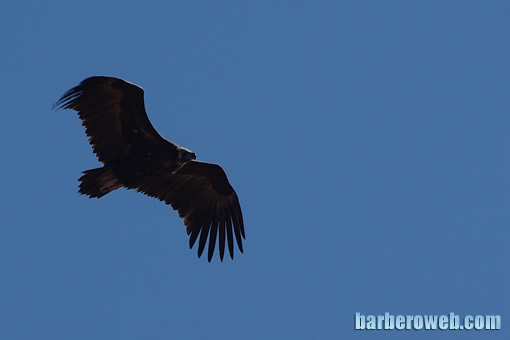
column 135, row 156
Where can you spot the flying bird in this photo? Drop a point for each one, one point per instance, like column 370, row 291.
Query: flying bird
column 135, row 156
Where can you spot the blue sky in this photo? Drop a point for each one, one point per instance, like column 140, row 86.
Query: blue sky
column 367, row 141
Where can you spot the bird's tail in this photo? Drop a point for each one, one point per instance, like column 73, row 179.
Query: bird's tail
column 98, row 182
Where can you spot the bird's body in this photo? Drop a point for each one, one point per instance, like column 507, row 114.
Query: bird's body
column 135, row 156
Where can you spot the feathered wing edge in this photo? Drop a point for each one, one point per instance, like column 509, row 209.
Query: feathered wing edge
column 112, row 111
column 207, row 203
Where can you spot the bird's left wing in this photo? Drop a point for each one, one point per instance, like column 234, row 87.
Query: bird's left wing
column 203, row 197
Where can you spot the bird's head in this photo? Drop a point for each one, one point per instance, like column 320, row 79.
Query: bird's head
column 186, row 155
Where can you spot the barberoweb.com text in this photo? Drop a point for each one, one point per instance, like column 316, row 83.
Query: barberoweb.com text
column 426, row 322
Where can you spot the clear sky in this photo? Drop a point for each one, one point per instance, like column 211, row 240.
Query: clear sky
column 368, row 142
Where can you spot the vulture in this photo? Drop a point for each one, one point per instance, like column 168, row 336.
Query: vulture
column 135, row 156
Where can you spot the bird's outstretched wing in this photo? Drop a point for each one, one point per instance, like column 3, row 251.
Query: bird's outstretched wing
column 203, row 197
column 113, row 114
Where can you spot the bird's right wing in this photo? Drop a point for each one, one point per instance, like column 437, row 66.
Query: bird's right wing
column 113, row 113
